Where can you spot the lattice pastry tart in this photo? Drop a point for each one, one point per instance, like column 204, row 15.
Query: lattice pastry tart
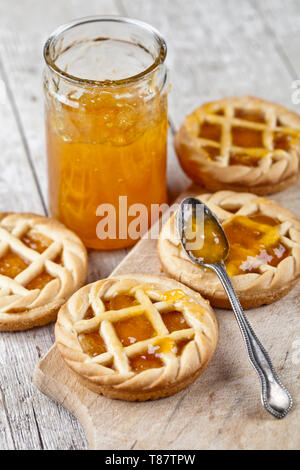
column 136, row 337
column 41, row 265
column 264, row 258
column 242, row 144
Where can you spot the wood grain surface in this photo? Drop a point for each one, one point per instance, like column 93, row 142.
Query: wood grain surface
column 216, row 49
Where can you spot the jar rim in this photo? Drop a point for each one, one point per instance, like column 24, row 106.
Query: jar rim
column 50, row 62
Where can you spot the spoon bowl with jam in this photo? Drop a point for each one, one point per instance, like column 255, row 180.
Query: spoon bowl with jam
column 205, row 243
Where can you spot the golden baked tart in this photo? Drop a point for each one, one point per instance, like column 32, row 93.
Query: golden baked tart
column 264, row 256
column 241, row 144
column 136, row 337
column 41, row 264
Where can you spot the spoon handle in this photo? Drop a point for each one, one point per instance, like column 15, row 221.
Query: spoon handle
column 275, row 397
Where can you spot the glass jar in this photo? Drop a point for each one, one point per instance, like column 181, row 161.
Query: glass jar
column 106, row 126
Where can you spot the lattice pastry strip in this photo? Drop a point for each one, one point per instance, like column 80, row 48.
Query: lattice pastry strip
column 228, row 121
column 41, row 264
column 86, row 327
column 250, row 144
column 263, row 273
column 177, row 354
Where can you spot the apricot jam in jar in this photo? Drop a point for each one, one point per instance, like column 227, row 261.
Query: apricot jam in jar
column 106, row 126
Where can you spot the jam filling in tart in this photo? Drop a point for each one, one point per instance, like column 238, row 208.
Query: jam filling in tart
column 244, row 136
column 212, row 153
column 138, row 328
column 36, row 241
column 236, row 158
column 211, row 131
column 251, row 115
column 92, row 344
column 174, row 321
column 153, row 357
column 12, row 264
column 282, row 141
column 148, row 360
column 40, row 281
column 120, row 301
column 254, row 240
column 131, row 330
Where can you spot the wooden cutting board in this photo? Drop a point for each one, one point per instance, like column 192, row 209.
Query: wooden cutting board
column 222, row 409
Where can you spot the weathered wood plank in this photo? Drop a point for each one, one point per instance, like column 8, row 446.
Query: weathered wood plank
column 282, row 20
column 15, row 169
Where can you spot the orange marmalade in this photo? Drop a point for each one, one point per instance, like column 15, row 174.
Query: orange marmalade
column 106, row 127
column 139, row 328
column 254, row 241
column 210, row 247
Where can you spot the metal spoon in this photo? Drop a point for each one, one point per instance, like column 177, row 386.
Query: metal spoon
column 275, row 397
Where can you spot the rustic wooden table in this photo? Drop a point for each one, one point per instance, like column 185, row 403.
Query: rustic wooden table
column 216, row 49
